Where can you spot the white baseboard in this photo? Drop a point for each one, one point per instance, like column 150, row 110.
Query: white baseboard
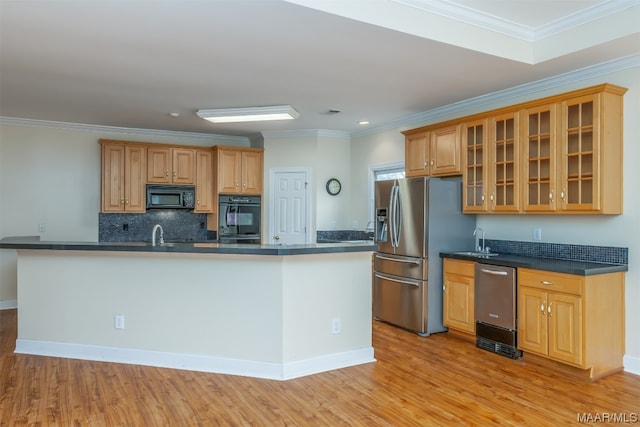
column 8, row 304
column 631, row 364
column 191, row 362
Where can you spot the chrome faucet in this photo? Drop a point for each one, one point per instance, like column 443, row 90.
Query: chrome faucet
column 477, row 232
column 153, row 235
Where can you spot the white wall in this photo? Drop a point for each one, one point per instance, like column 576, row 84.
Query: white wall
column 619, row 230
column 51, row 176
column 193, row 311
column 378, row 149
column 327, row 155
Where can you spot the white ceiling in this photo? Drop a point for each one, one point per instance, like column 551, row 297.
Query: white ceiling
column 131, row 63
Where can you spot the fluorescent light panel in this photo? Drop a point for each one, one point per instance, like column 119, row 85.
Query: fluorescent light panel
column 249, row 114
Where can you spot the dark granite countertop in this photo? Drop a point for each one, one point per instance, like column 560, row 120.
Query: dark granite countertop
column 187, row 247
column 581, row 268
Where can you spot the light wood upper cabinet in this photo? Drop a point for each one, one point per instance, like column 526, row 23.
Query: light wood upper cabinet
column 204, row 182
column 444, row 151
column 539, row 130
column 435, row 152
column 170, row 165
column 577, row 320
column 476, row 166
column 572, row 154
column 591, row 155
column 252, row 166
column 238, row 170
column 123, row 177
column 459, row 295
column 560, row 154
column 416, row 152
column 504, row 145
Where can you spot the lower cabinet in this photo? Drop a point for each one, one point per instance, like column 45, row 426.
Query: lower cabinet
column 573, row 319
column 459, row 295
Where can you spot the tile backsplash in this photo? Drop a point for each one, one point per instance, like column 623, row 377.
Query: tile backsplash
column 586, row 253
column 178, row 225
column 344, row 235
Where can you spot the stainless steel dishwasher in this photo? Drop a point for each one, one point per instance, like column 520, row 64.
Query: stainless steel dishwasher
column 496, row 309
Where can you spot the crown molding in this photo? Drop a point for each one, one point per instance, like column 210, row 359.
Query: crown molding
column 583, row 17
column 469, row 15
column 462, row 108
column 222, row 139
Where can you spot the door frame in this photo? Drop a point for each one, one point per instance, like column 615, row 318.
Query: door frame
column 307, row 177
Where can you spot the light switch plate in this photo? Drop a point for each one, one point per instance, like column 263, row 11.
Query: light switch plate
column 537, row 234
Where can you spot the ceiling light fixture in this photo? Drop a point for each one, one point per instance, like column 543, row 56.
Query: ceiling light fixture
column 363, row 122
column 249, row 114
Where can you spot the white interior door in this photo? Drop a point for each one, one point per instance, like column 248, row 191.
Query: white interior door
column 289, row 207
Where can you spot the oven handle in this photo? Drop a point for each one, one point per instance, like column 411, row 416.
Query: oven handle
column 391, row 279
column 495, row 273
column 398, row 260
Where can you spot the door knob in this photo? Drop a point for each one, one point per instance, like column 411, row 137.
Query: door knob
column 276, row 237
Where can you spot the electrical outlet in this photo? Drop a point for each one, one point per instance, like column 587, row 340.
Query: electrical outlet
column 336, row 326
column 537, row 234
column 119, row 321
column 41, row 227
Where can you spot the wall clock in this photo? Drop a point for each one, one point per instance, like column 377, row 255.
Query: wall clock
column 333, row 186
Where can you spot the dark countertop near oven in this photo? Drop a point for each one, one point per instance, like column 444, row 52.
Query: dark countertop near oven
column 30, row 242
column 581, row 268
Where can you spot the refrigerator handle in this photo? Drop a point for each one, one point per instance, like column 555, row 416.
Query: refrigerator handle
column 392, row 216
column 395, row 220
column 398, row 260
column 398, row 216
column 392, row 279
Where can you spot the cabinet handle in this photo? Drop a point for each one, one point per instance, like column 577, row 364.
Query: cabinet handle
column 546, row 283
column 126, row 201
column 550, row 196
column 175, row 173
column 432, row 162
column 549, row 309
column 562, row 195
column 166, row 173
column 542, row 307
column 482, row 198
column 198, row 202
column 425, row 164
column 122, row 201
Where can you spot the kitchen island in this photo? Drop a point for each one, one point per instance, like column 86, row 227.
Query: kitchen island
column 268, row 311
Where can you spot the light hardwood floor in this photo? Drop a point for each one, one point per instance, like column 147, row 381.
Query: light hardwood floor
column 439, row 380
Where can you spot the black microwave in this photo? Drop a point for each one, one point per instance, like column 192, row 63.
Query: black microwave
column 170, row 196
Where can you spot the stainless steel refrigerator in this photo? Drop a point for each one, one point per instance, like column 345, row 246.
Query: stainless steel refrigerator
column 416, row 219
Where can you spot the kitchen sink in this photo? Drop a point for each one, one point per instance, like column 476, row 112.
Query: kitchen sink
column 476, row 254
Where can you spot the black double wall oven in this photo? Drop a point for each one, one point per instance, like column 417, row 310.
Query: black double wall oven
column 239, row 219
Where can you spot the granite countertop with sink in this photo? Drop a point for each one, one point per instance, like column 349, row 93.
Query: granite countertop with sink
column 580, row 260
